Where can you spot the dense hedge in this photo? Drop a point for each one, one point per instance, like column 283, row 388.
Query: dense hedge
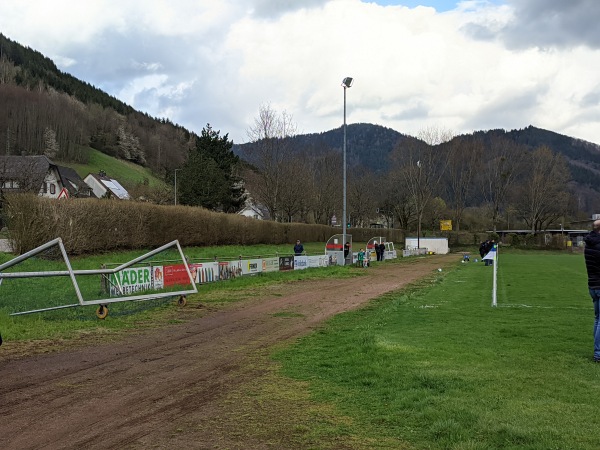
column 91, row 225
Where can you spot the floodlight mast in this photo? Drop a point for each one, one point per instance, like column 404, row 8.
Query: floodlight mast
column 346, row 83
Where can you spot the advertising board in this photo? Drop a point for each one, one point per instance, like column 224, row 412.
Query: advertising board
column 286, row 263
column 318, row 261
column 230, row 269
column 270, row 264
column 300, row 262
column 252, row 266
column 133, row 279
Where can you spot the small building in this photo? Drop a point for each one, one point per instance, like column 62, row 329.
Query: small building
column 106, row 187
column 436, row 245
column 254, row 211
column 39, row 174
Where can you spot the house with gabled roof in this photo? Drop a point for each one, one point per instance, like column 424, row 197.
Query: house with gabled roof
column 104, row 186
column 254, row 210
column 37, row 173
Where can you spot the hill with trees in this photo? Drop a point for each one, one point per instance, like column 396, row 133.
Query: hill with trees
column 392, row 177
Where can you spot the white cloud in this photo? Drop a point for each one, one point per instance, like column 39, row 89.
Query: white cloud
column 481, row 65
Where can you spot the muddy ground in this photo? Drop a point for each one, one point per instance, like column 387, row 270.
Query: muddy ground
column 185, row 385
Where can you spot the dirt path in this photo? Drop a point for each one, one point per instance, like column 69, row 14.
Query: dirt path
column 141, row 392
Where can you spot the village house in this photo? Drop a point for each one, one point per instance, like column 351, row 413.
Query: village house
column 254, row 210
column 104, row 186
column 39, row 174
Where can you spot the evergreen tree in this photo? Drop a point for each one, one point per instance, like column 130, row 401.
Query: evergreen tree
column 208, row 178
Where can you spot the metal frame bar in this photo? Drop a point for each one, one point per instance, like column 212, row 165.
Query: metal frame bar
column 72, row 273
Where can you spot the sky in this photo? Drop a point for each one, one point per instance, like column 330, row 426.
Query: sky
column 458, row 66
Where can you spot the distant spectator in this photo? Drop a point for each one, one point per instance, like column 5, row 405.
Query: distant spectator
column 382, row 251
column 360, row 258
column 367, row 262
column 377, row 251
column 298, row 248
column 346, row 250
column 482, row 248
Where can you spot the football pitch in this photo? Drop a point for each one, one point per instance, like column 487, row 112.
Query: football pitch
column 436, row 366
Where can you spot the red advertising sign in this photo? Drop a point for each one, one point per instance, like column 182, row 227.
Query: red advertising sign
column 176, row 275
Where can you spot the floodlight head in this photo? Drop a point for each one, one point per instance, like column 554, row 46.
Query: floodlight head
column 347, row 82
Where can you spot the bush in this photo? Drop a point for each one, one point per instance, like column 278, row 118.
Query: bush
column 92, row 225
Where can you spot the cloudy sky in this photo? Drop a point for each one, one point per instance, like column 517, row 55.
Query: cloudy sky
column 459, row 66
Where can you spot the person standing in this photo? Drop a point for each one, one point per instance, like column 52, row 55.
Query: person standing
column 592, row 264
column 298, row 248
column 377, row 251
column 381, row 251
column 360, row 258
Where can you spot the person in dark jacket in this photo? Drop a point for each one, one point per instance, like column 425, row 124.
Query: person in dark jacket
column 483, row 249
column 346, row 250
column 592, row 264
column 377, row 251
column 382, row 251
column 298, row 248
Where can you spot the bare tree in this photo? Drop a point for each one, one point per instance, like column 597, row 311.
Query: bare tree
column 398, row 196
column 464, row 159
column 500, row 168
column 363, row 200
column 293, row 199
column 51, row 147
column 326, row 185
column 543, row 197
column 424, row 164
column 269, row 152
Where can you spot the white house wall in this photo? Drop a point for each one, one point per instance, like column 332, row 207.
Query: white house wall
column 52, row 184
column 98, row 189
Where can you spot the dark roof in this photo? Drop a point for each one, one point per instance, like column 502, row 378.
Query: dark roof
column 27, row 171
column 74, row 183
column 14, row 167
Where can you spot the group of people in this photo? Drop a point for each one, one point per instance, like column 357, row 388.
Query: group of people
column 484, row 248
column 379, row 250
column 363, row 258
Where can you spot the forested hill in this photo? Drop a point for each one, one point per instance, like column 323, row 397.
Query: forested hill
column 583, row 156
column 48, row 111
column 36, row 68
column 367, row 145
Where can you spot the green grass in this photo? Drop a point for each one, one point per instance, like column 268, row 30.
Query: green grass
column 435, row 366
column 123, row 171
column 18, row 295
column 432, row 366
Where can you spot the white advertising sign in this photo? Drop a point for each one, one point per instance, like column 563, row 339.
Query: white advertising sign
column 300, row 262
column 252, row 266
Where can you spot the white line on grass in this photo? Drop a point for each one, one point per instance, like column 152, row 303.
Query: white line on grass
column 504, row 305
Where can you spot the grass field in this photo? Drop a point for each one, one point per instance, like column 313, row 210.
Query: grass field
column 122, row 171
column 18, row 295
column 432, row 366
column 435, row 366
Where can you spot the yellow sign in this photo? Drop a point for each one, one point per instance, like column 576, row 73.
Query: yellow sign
column 445, row 225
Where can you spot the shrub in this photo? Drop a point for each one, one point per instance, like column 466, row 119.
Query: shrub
column 92, row 225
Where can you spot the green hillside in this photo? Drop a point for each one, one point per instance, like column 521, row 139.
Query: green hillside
column 126, row 173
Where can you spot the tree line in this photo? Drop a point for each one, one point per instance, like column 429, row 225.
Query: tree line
column 479, row 181
column 477, row 184
column 46, row 111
